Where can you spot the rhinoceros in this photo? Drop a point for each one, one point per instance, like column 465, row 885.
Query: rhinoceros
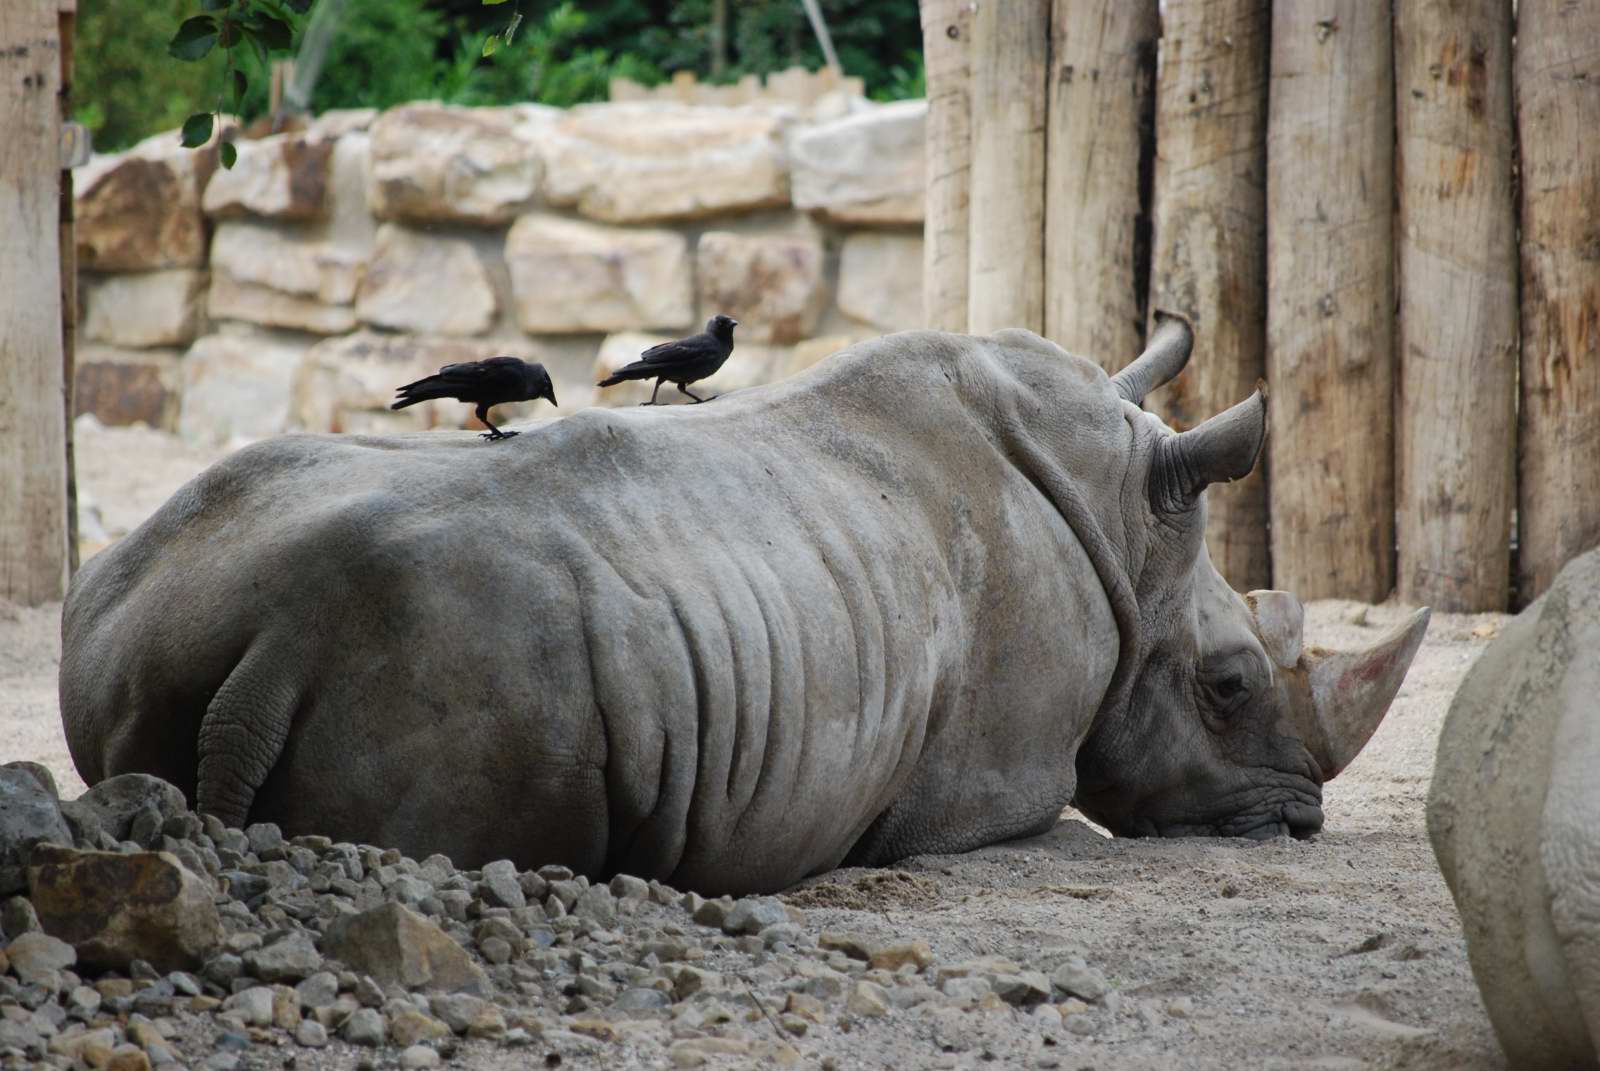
column 914, row 600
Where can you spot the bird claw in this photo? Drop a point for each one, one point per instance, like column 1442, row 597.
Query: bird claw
column 649, row 403
column 491, row 436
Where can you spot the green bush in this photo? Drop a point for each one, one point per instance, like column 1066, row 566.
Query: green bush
column 385, row 52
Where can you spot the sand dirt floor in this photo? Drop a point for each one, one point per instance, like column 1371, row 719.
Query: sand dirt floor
column 1341, row 952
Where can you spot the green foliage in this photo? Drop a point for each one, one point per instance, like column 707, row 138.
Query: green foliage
column 125, row 86
column 386, row 52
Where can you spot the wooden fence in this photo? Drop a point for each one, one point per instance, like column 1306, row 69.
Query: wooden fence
column 38, row 287
column 1392, row 212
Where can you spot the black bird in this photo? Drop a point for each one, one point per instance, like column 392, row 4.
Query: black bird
column 484, row 383
column 682, row 362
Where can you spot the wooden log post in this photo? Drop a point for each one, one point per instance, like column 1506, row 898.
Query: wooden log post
column 1209, row 255
column 1330, row 299
column 33, row 453
column 1457, row 262
column 946, row 45
column 1558, row 116
column 1010, row 49
column 1102, row 94
column 67, row 25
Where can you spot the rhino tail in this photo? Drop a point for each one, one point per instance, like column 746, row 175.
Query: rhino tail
column 243, row 732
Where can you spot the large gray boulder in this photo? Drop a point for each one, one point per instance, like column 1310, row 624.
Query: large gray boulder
column 1514, row 816
column 915, row 599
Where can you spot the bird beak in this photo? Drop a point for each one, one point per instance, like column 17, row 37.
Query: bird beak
column 551, row 394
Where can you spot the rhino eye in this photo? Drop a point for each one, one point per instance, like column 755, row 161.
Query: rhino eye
column 1224, row 690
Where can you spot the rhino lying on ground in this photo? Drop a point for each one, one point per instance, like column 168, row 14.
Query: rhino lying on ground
column 1514, row 817
column 914, row 600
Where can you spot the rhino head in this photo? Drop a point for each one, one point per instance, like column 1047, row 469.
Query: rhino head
column 1223, row 722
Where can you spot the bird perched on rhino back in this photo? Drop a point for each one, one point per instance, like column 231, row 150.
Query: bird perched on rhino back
column 682, row 362
column 483, row 383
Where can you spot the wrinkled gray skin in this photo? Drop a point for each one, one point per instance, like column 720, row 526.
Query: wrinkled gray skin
column 913, row 600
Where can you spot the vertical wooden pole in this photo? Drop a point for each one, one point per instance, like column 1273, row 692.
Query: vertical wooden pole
column 67, row 22
column 1330, row 299
column 1457, row 260
column 1210, row 243
column 33, row 453
column 1558, row 117
column 1102, row 73
column 946, row 45
column 1010, row 48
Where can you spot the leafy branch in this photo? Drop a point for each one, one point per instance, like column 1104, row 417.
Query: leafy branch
column 265, row 26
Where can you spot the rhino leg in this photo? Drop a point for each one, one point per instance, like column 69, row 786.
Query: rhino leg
column 243, row 733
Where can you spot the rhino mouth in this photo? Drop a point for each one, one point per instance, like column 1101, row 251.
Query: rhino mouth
column 1292, row 819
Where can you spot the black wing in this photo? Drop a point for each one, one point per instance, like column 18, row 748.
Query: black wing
column 694, row 348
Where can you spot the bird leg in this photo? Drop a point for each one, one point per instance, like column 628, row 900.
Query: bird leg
column 493, row 433
column 682, row 389
column 653, row 394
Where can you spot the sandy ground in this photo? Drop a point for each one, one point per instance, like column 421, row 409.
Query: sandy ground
column 1341, row 952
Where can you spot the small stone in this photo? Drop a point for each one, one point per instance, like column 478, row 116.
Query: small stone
column 456, row 1010
column 288, row 959
column 1181, row 1008
column 1022, row 990
column 396, row 945
column 688, row 981
column 127, row 1057
column 966, row 989
column 489, row 1023
column 554, row 872
column 18, row 917
column 419, row 1056
column 319, row 990
column 310, row 1034
column 496, row 950
column 628, row 887
column 894, row 956
column 851, row 944
column 1082, row 1025
column 38, row 959
column 640, row 999
column 499, row 886
column 713, row 913
column 868, row 999
column 411, row 1027
column 254, row 1005
column 365, row 1026
column 1077, row 979
column 597, row 904
column 369, row 992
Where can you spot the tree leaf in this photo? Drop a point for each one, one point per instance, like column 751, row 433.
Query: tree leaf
column 257, row 45
column 299, row 7
column 511, row 27
column 229, row 155
column 230, row 31
column 197, row 130
column 491, row 44
column 194, row 38
column 274, row 32
column 491, row 3
column 214, row 5
column 240, row 84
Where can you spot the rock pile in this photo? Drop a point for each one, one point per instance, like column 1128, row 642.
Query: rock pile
column 135, row 934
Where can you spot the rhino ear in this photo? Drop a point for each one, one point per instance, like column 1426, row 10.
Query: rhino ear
column 1223, row 448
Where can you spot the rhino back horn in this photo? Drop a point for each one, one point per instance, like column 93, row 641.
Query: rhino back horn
column 1350, row 691
column 1160, row 362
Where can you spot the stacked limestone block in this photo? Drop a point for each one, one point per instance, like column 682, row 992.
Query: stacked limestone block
column 361, row 250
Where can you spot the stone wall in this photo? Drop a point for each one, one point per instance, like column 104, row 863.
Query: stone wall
column 338, row 260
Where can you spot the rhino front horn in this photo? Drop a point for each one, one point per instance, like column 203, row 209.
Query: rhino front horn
column 1351, row 691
